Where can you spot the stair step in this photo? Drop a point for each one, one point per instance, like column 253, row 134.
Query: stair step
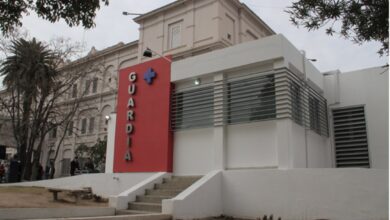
column 172, row 186
column 133, row 212
column 163, row 192
column 152, row 199
column 186, row 179
column 143, row 206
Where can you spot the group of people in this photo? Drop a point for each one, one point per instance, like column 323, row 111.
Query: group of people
column 10, row 171
column 75, row 167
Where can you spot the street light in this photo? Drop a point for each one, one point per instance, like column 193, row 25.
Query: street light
column 129, row 13
column 149, row 53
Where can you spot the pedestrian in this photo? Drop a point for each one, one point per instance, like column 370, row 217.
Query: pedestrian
column 52, row 169
column 47, row 172
column 14, row 170
column 74, row 164
column 2, row 172
column 40, row 172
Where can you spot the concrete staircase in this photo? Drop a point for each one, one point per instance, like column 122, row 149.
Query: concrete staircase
column 151, row 202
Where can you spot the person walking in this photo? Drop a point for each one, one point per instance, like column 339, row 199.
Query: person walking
column 74, row 164
column 2, row 172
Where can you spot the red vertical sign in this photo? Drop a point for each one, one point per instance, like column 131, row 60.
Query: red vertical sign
column 143, row 139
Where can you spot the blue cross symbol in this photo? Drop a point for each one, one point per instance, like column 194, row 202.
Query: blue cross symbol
column 149, row 75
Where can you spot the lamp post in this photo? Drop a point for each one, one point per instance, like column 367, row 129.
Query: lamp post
column 125, row 13
column 149, row 53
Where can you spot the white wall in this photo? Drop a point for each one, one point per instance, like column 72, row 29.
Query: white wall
column 297, row 149
column 355, row 194
column 102, row 184
column 201, row 200
column 368, row 87
column 320, row 154
column 193, row 151
column 251, row 145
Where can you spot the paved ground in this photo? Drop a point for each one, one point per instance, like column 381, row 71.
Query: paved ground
column 36, row 197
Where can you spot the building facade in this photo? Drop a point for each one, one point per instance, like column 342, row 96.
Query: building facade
column 181, row 29
column 226, row 98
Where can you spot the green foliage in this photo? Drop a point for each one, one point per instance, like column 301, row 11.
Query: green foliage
column 29, row 67
column 73, row 12
column 361, row 20
column 97, row 152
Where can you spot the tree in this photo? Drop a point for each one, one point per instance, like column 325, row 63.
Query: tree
column 97, row 152
column 36, row 98
column 361, row 20
column 72, row 12
column 29, row 75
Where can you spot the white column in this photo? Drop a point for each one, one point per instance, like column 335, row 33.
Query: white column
column 110, row 143
column 219, row 140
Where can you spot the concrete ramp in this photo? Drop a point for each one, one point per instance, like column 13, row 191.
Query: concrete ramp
column 124, row 217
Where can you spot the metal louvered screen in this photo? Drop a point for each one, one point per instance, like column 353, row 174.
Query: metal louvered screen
column 251, row 99
column 193, row 108
column 350, row 137
column 270, row 95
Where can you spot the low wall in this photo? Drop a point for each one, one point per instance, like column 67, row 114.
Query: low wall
column 129, row 195
column 357, row 194
column 200, row 200
column 102, row 184
column 45, row 213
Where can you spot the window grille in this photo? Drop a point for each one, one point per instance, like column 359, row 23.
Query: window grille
column 275, row 94
column 251, row 99
column 350, row 137
column 193, row 108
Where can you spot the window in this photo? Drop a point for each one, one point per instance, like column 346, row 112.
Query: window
column 65, row 167
column 83, row 126
column 314, row 114
column 174, row 35
column 91, row 125
column 53, row 133
column 70, row 128
column 87, row 86
column 251, row 99
column 350, row 137
column 74, row 91
column 296, row 102
column 94, row 85
column 193, row 108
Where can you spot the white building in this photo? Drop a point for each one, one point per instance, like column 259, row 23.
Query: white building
column 242, row 107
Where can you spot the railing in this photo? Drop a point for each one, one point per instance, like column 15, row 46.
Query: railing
column 259, row 96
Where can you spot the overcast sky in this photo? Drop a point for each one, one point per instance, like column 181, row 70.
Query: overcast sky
column 112, row 27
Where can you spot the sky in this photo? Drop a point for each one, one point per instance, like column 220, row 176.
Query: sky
column 331, row 52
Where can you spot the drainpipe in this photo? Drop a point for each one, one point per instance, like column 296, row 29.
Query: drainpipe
column 305, row 127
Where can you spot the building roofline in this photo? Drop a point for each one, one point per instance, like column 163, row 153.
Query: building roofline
column 179, row 2
column 98, row 54
column 158, row 10
column 256, row 17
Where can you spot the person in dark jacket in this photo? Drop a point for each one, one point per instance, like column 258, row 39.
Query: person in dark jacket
column 74, row 164
column 14, row 170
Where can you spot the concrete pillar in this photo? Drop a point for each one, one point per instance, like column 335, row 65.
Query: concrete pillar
column 219, row 140
column 110, row 144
